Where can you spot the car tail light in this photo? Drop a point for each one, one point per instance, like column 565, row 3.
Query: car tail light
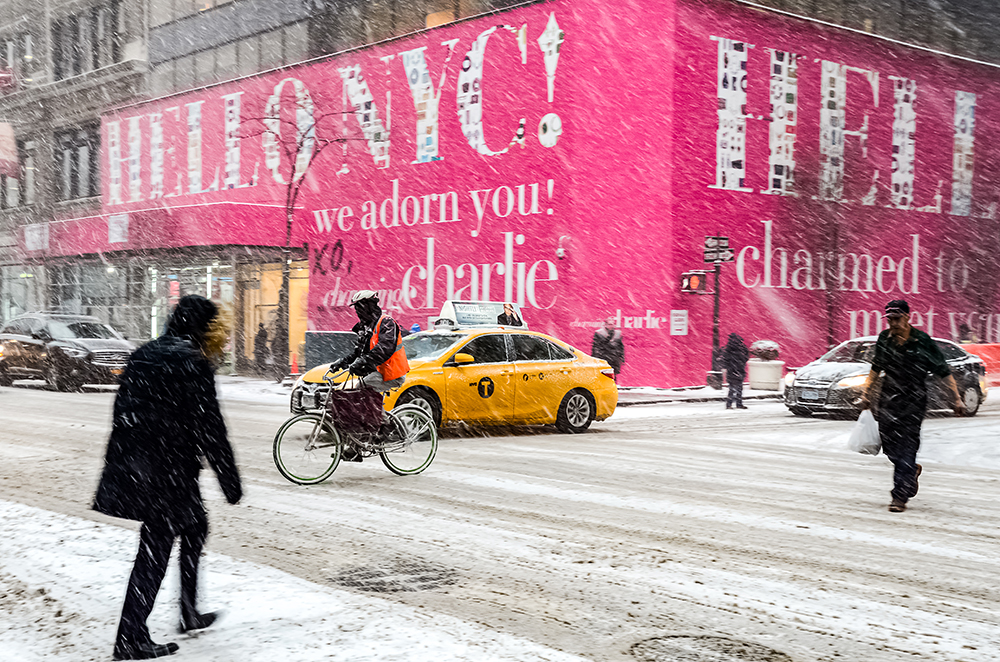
column 608, row 372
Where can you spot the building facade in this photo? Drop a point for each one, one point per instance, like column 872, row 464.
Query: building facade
column 430, row 187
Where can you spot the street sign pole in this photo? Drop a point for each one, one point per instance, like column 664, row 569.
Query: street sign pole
column 717, row 250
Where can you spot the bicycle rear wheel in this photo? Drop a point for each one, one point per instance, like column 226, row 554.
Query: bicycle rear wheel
column 306, row 449
column 411, row 443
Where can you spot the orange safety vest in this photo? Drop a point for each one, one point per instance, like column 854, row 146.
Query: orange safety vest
column 396, row 365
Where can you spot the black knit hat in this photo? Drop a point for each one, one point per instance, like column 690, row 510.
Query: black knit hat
column 191, row 317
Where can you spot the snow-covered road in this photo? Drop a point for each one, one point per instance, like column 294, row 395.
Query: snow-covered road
column 681, row 519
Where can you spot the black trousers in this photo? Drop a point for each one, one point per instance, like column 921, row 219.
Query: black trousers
column 900, row 434
column 156, row 539
column 735, row 392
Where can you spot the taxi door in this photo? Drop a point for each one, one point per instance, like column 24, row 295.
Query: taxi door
column 481, row 391
column 543, row 377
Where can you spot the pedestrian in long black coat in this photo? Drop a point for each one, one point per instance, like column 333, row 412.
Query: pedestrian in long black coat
column 735, row 357
column 607, row 344
column 166, row 419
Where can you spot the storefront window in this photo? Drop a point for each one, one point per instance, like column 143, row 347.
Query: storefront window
column 21, row 290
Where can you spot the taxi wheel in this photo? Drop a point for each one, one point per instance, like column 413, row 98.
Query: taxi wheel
column 424, row 398
column 576, row 412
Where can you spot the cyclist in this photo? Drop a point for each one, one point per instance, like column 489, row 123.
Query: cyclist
column 378, row 359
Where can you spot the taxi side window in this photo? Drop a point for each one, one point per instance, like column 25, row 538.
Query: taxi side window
column 486, row 349
column 533, row 348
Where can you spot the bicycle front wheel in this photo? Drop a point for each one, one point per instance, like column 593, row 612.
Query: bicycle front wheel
column 411, row 443
column 306, row 449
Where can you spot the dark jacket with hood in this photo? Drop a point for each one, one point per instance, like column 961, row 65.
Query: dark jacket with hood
column 166, row 419
column 735, row 356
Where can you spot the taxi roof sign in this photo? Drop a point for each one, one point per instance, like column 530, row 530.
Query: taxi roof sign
column 479, row 313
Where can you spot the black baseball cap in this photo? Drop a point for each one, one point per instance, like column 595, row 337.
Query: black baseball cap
column 896, row 308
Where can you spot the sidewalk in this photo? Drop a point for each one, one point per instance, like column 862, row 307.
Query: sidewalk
column 647, row 395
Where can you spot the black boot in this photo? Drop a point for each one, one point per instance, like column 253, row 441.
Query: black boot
column 197, row 621
column 145, row 651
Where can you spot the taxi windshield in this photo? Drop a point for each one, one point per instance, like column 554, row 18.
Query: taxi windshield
column 424, row 347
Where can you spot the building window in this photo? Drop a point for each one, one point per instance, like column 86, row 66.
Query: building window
column 76, row 156
column 16, row 59
column 85, row 41
column 19, row 191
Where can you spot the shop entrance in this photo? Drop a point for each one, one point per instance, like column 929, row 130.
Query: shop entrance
column 259, row 315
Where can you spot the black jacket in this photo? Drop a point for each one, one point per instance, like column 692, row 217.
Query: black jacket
column 166, row 418
column 363, row 360
column 735, row 356
column 610, row 347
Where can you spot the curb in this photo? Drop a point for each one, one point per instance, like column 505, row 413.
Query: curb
column 670, row 400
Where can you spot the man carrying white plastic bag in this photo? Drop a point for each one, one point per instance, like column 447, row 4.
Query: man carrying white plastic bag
column 906, row 355
column 864, row 437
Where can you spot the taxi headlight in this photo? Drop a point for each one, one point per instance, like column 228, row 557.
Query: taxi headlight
column 854, row 381
column 789, row 380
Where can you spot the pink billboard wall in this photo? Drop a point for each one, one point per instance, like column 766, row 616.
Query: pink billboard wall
column 572, row 156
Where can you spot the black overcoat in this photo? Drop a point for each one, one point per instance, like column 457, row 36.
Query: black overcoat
column 166, row 418
column 735, row 357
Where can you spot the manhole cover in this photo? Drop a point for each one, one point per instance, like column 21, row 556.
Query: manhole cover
column 396, row 576
column 704, row 649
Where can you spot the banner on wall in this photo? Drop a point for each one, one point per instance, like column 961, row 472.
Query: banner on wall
column 540, row 156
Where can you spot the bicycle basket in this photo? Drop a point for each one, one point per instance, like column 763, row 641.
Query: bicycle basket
column 356, row 410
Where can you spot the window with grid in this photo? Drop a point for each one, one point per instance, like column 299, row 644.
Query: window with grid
column 76, row 158
column 86, row 40
column 17, row 191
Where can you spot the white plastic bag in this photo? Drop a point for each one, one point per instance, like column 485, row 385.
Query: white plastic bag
column 864, row 437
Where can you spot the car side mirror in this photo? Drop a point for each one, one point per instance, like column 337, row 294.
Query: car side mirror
column 461, row 358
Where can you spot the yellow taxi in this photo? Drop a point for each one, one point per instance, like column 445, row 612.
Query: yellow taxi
column 498, row 375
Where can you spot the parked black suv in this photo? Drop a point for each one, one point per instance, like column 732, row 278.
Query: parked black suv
column 66, row 350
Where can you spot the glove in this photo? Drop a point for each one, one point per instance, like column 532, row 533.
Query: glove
column 360, row 367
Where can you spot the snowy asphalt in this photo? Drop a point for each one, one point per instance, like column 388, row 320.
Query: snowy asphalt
column 666, row 521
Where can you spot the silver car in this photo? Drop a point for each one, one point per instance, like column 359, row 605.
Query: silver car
column 834, row 383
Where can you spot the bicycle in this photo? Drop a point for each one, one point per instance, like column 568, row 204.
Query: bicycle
column 308, row 447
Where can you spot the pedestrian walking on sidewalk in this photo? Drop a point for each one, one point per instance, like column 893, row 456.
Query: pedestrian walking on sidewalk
column 905, row 354
column 734, row 360
column 260, row 350
column 608, row 345
column 166, row 419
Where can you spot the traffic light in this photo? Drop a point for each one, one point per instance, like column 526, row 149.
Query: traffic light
column 694, row 282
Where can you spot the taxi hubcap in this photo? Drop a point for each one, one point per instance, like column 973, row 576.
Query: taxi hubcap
column 577, row 410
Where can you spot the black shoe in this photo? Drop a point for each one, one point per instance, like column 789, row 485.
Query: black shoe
column 198, row 622
column 741, row 406
column 145, row 651
column 351, row 454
